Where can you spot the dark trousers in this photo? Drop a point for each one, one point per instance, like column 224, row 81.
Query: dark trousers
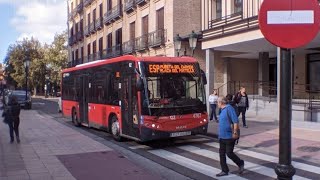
column 14, row 127
column 213, row 111
column 242, row 111
column 226, row 148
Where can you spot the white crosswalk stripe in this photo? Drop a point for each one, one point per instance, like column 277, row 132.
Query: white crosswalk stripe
column 248, row 165
column 192, row 164
column 297, row 165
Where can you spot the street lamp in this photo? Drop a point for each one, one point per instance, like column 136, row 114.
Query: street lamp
column 193, row 39
column 26, row 64
column 177, row 44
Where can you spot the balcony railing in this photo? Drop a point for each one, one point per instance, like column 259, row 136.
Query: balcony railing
column 157, row 38
column 114, row 51
column 129, row 5
column 71, row 40
column 226, row 21
column 113, row 14
column 80, row 7
column 79, row 35
column 141, row 2
column 141, row 43
column 99, row 23
column 87, row 2
column 128, row 47
column 92, row 28
column 86, row 31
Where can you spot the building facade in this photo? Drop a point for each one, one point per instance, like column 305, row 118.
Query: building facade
column 238, row 55
column 102, row 29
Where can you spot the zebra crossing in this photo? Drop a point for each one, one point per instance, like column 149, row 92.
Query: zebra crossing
column 198, row 158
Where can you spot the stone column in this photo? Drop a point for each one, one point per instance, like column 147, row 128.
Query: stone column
column 264, row 73
column 209, row 73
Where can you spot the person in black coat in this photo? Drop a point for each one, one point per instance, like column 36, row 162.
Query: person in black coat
column 11, row 115
column 242, row 101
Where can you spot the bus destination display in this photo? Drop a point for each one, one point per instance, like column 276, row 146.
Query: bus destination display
column 171, row 68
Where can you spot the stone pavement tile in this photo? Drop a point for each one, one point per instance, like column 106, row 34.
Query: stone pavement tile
column 59, row 171
column 17, row 172
column 64, row 178
column 19, row 177
column 40, row 176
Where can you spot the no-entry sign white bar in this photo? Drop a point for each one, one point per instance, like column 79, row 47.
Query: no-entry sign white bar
column 290, row 17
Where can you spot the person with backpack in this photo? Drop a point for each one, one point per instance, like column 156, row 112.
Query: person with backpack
column 242, row 101
column 11, row 115
column 229, row 132
column 213, row 98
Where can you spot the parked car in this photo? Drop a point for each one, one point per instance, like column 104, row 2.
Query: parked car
column 21, row 96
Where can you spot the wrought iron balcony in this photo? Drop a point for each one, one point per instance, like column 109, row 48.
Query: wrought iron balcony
column 78, row 61
column 99, row 23
column 71, row 40
column 129, row 5
column 91, row 57
column 86, row 31
column 157, row 38
column 128, row 47
column 141, row 43
column 141, row 2
column 92, row 28
column 79, row 35
column 114, row 51
column 80, row 7
column 87, row 2
column 113, row 14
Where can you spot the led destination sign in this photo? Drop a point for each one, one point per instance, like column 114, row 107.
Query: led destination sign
column 170, row 68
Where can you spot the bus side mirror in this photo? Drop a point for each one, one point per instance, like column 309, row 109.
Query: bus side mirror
column 204, row 77
column 139, row 84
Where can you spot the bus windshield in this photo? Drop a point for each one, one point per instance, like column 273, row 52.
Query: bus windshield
column 173, row 94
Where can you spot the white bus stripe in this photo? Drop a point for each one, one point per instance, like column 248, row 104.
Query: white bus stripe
column 248, row 165
column 193, row 165
column 297, row 165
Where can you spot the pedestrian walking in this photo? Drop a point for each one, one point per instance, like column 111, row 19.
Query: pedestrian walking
column 213, row 99
column 242, row 101
column 11, row 115
column 231, row 102
column 227, row 137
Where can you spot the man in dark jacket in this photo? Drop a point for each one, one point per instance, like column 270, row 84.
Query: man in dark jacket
column 242, row 101
column 11, row 115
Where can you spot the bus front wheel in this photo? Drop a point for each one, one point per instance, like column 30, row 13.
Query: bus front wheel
column 115, row 128
column 75, row 117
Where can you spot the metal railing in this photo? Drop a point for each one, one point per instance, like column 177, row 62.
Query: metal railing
column 86, row 31
column 141, row 43
column 113, row 14
column 79, row 35
column 129, row 5
column 141, row 2
column 80, row 7
column 92, row 28
column 99, row 23
column 157, row 38
column 87, row 2
column 128, row 47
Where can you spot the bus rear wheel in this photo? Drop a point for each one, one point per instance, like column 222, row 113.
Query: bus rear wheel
column 115, row 128
column 75, row 117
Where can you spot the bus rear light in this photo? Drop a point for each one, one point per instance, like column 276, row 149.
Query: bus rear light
column 200, row 122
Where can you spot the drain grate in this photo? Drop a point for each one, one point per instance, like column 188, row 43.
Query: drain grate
column 308, row 149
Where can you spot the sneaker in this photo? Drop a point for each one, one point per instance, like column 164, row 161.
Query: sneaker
column 245, row 126
column 222, row 174
column 241, row 168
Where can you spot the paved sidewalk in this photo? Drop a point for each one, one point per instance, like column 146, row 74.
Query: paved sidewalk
column 51, row 150
column 263, row 135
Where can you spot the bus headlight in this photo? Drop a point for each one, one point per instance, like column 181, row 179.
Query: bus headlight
column 204, row 120
column 153, row 125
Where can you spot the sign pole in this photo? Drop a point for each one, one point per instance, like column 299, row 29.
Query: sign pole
column 284, row 168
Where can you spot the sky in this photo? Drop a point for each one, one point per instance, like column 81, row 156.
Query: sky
column 40, row 19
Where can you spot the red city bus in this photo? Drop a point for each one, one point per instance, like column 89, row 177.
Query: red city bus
column 140, row 98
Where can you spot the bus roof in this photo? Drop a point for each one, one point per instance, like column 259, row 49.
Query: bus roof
column 131, row 58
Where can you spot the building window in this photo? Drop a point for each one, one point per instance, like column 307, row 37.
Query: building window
column 238, row 6
column 88, row 19
column 109, row 40
column 100, row 44
column 94, row 15
column 94, row 47
column 109, row 5
column 101, row 10
column 160, row 19
column 132, row 31
column 88, row 49
column 119, row 36
column 313, row 66
column 216, row 9
column 145, row 25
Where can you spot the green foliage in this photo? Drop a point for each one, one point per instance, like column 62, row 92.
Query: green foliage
column 45, row 60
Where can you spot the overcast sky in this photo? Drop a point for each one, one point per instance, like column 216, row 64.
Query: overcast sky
column 41, row 19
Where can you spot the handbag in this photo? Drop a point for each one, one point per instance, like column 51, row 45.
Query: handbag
column 235, row 136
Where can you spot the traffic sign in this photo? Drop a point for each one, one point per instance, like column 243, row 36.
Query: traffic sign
column 289, row 23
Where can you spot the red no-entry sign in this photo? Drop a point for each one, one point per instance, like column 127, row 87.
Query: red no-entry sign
column 289, row 23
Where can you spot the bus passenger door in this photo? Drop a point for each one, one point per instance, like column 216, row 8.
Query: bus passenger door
column 83, row 99
column 129, row 103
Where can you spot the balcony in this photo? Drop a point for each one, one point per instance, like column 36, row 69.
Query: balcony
column 80, row 7
column 71, row 40
column 79, row 35
column 113, row 14
column 129, row 6
column 86, row 31
column 128, row 47
column 141, row 2
column 157, row 38
column 112, row 52
column 99, row 23
column 141, row 43
column 92, row 28
column 87, row 2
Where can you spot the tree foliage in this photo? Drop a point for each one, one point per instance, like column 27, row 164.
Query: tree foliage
column 45, row 60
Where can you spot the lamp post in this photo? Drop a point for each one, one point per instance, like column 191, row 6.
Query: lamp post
column 193, row 39
column 177, row 44
column 26, row 64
